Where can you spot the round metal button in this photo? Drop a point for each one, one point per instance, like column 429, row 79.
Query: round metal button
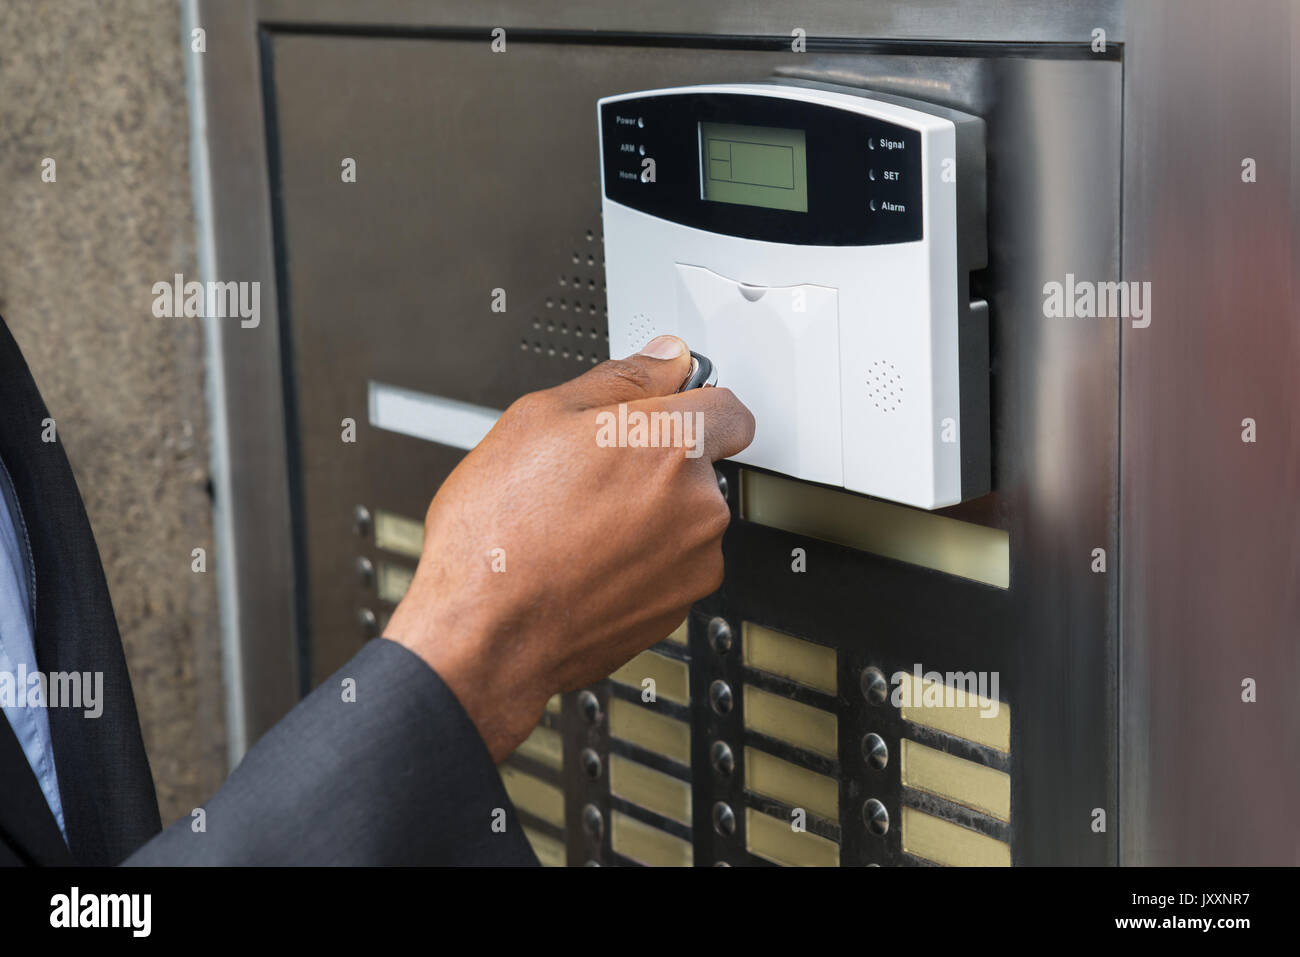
column 724, row 819
column 365, row 571
column 720, row 756
column 368, row 622
column 874, row 751
column 361, row 520
column 875, row 816
column 593, row 822
column 589, row 705
column 720, row 635
column 720, row 697
column 874, row 686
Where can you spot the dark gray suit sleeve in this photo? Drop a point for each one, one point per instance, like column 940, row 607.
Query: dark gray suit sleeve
column 398, row 776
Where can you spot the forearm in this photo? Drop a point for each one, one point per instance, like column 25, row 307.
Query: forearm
column 394, row 773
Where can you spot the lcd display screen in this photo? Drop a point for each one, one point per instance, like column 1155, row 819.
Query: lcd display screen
column 754, row 166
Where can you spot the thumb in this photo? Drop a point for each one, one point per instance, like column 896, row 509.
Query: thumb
column 658, row 369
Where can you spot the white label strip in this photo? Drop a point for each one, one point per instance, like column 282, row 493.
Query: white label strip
column 434, row 418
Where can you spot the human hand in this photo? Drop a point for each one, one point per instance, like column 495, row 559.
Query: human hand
column 550, row 558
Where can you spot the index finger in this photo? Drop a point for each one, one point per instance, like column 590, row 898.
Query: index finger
column 723, row 427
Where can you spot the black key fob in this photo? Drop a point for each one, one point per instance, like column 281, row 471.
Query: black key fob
column 702, row 373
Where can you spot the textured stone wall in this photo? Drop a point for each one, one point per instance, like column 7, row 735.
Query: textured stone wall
column 99, row 86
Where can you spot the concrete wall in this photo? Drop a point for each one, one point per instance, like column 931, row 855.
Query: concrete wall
column 98, row 85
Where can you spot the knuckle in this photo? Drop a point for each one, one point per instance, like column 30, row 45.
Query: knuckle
column 738, row 413
column 706, row 511
column 626, row 371
column 530, row 405
column 734, row 403
column 717, row 518
column 747, row 421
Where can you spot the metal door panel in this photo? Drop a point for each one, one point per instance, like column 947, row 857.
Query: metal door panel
column 478, row 171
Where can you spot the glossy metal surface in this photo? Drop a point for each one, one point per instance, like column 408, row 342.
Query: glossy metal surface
column 962, row 20
column 1210, row 550
column 392, row 280
column 251, row 481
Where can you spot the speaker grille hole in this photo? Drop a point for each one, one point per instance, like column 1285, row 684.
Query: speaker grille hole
column 589, row 283
column 884, row 386
column 641, row 330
